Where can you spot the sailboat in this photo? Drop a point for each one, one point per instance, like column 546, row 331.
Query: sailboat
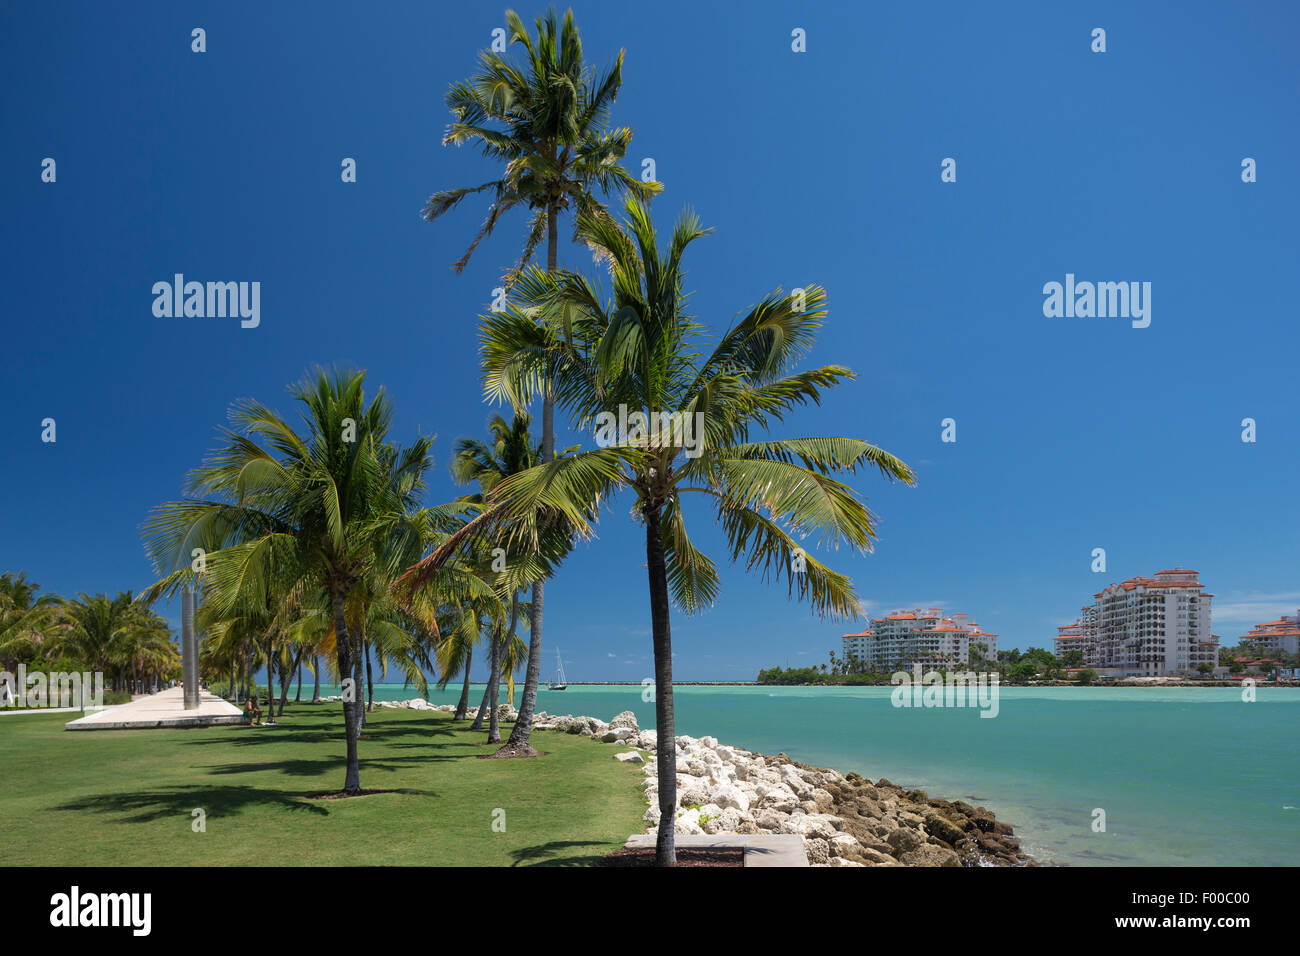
column 559, row 682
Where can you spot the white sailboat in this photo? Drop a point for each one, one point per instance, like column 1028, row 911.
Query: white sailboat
column 559, row 682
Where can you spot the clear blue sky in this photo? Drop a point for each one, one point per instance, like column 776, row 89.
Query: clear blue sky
column 815, row 167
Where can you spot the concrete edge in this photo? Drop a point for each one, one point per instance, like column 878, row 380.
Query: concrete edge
column 182, row 722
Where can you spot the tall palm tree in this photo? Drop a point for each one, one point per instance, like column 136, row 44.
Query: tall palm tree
column 546, row 121
column 510, row 451
column 768, row 495
column 319, row 508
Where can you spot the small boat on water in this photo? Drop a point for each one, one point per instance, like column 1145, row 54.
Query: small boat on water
column 559, row 682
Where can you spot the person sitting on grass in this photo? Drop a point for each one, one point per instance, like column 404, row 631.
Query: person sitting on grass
column 252, row 711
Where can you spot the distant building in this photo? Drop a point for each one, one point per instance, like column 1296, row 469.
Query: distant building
column 1149, row 627
column 1281, row 635
column 1071, row 637
column 925, row 637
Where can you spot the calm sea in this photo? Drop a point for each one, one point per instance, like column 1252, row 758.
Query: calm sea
column 1184, row 777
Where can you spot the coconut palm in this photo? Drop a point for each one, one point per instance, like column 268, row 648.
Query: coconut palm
column 498, row 566
column 511, row 450
column 28, row 619
column 318, row 508
column 768, row 495
column 546, row 121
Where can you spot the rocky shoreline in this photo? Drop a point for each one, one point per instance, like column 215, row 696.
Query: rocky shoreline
column 844, row 819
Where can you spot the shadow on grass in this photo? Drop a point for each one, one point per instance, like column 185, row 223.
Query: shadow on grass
column 287, row 733
column 316, row 768
column 151, row 805
column 539, row 855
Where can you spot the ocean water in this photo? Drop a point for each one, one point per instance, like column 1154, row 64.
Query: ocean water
column 1184, row 776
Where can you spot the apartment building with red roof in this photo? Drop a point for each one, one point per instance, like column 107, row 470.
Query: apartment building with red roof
column 923, row 636
column 1281, row 635
column 1155, row 626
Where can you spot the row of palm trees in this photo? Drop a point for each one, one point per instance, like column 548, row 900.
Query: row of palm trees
column 323, row 528
column 117, row 636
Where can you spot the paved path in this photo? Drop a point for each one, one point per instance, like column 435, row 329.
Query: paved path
column 6, row 712
column 164, row 709
column 761, row 849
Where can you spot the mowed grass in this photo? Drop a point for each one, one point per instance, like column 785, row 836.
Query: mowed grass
column 126, row 797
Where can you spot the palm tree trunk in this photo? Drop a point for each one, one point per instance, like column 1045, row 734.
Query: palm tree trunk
column 370, row 683
column 286, row 674
column 343, row 652
column 270, row 682
column 463, row 706
column 358, row 677
column 518, row 744
column 483, row 704
column 494, row 682
column 315, row 694
column 297, row 697
column 665, row 737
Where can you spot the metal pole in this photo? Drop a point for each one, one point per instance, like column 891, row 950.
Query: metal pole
column 189, row 650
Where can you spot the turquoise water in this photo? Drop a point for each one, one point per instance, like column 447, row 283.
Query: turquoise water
column 1185, row 776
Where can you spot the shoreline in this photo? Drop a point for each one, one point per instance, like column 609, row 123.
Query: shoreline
column 843, row 819
column 1127, row 683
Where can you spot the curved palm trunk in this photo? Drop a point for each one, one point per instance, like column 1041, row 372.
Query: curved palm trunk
column 482, row 710
column 462, row 708
column 286, row 675
column 370, row 683
column 270, row 682
column 518, row 744
column 494, row 686
column 665, row 734
column 343, row 651
column 315, row 666
column 358, row 682
column 297, row 694
column 492, row 663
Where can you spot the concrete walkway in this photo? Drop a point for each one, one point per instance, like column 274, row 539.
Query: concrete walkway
column 164, row 709
column 761, row 849
column 6, row 712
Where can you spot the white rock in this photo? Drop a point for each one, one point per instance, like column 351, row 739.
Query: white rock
column 731, row 796
column 626, row 719
column 630, row 756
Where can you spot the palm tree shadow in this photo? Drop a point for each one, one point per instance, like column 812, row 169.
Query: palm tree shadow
column 292, row 768
column 146, row 806
column 539, row 855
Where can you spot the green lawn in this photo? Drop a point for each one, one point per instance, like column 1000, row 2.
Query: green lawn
column 119, row 797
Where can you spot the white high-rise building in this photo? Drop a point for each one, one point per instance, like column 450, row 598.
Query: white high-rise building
column 919, row 636
column 1149, row 627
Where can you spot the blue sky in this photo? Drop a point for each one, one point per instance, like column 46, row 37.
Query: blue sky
column 823, row 166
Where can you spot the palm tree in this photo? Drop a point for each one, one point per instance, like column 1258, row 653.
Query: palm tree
column 767, row 495
column 28, row 620
column 316, row 509
column 511, row 451
column 546, row 120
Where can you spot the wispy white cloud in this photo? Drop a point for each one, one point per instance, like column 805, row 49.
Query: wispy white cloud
column 1251, row 608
